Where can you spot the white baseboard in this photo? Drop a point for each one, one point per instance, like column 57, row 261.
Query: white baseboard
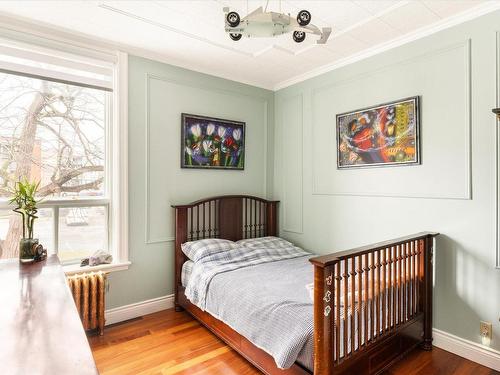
column 467, row 349
column 134, row 310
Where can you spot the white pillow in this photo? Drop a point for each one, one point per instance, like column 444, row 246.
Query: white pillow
column 268, row 242
column 196, row 250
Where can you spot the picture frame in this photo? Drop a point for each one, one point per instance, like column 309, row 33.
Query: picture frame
column 383, row 135
column 212, row 143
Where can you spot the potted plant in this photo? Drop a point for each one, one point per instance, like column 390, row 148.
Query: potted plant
column 23, row 196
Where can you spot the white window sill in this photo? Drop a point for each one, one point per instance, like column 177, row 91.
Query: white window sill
column 72, row 269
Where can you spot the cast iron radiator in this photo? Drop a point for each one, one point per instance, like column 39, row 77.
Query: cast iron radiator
column 88, row 292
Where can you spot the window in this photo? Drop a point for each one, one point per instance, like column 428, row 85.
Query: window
column 56, row 127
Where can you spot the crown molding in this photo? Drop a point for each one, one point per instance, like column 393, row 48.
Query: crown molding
column 468, row 15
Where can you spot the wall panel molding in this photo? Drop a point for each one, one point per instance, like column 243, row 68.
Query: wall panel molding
column 285, row 183
column 467, row 191
column 265, row 106
column 168, row 237
column 497, row 151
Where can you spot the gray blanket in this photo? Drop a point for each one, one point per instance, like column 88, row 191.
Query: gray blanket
column 270, row 306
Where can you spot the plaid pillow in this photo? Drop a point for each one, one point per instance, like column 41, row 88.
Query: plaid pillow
column 196, row 250
column 267, row 242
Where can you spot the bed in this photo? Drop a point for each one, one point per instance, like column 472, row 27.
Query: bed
column 356, row 311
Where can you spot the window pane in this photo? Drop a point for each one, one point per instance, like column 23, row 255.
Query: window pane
column 82, row 231
column 53, row 133
column 11, row 231
column 44, row 229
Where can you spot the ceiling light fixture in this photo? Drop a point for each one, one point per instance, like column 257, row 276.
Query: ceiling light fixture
column 261, row 23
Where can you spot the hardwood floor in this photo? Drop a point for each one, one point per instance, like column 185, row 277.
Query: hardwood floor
column 173, row 343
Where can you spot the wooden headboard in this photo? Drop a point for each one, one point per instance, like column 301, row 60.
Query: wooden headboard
column 232, row 217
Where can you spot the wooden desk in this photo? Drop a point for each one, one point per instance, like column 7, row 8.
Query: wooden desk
column 40, row 330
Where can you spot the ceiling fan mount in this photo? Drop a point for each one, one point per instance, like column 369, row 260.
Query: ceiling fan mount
column 261, row 23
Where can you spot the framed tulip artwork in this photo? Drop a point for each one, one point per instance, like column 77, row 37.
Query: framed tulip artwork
column 382, row 135
column 212, row 143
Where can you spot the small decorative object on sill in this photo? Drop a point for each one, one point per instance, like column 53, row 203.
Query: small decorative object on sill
column 40, row 253
column 496, row 111
column 99, row 257
column 23, row 196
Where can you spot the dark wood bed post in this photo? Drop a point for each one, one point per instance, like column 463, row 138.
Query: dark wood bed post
column 323, row 318
column 272, row 219
column 427, row 287
column 181, row 224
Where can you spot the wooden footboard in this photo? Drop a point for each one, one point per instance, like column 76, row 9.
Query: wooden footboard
column 372, row 305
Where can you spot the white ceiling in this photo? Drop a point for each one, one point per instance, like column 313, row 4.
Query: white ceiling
column 191, row 33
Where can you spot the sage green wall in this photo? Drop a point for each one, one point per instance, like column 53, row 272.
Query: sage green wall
column 453, row 191
column 293, row 159
column 158, row 94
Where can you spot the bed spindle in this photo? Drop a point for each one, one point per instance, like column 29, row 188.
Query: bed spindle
column 410, row 284
column 337, row 292
column 346, row 306
column 191, row 225
column 405, row 290
column 402, row 284
column 397, row 294
column 204, row 227
column 409, row 281
column 248, row 215
column 250, row 219
column 256, row 222
column 245, row 221
column 261, row 221
column 353, row 303
column 372, row 300
column 216, row 220
column 383, row 290
column 367, row 306
column 402, row 279
column 377, row 295
column 198, row 224
column 390, row 295
column 359, row 292
column 255, row 219
column 415, row 281
column 210, row 219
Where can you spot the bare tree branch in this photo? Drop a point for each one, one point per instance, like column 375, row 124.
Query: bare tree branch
column 88, row 186
column 57, row 185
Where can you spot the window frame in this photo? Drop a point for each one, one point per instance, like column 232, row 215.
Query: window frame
column 115, row 197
